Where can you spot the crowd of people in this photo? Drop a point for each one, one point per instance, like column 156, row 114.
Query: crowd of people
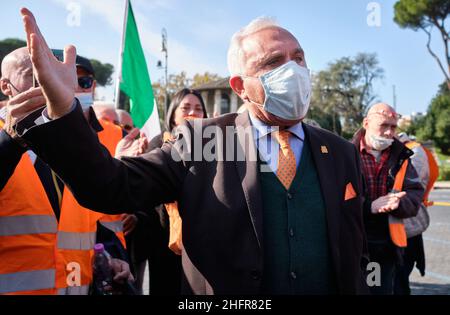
column 302, row 211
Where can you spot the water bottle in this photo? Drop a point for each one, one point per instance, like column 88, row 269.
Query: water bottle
column 103, row 276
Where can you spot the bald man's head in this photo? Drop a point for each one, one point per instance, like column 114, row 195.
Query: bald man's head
column 106, row 112
column 17, row 72
column 380, row 123
column 380, row 108
column 125, row 119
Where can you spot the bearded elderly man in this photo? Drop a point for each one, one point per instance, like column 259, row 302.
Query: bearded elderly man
column 285, row 221
column 386, row 203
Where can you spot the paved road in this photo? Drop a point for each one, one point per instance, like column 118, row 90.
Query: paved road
column 437, row 251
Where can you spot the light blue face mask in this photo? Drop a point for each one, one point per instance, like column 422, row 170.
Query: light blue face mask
column 288, row 91
column 86, row 100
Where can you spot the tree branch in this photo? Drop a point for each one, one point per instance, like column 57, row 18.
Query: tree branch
column 434, row 55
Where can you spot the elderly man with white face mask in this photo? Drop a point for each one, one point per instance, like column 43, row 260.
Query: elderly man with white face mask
column 285, row 221
column 391, row 195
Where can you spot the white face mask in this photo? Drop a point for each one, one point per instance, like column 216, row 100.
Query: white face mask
column 288, row 91
column 86, row 100
column 380, row 143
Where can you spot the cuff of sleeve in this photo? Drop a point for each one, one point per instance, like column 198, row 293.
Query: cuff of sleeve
column 37, row 118
column 9, row 144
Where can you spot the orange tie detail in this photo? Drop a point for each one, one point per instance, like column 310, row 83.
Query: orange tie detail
column 286, row 159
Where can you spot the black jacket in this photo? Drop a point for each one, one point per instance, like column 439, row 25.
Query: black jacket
column 220, row 201
column 377, row 226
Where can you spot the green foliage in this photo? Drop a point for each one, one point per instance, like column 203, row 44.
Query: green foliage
column 103, row 72
column 344, row 90
column 444, row 174
column 436, row 124
column 200, row 79
column 417, row 14
column 426, row 15
column 326, row 120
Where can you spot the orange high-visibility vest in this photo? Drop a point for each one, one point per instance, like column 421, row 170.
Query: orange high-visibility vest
column 175, row 221
column 28, row 230
column 433, row 167
column 396, row 227
column 109, row 137
column 40, row 256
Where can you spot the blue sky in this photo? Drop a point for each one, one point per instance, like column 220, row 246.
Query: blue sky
column 199, row 32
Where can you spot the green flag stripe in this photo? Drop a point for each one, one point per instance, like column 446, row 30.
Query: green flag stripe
column 135, row 78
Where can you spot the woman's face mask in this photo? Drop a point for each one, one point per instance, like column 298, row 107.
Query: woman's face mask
column 287, row 91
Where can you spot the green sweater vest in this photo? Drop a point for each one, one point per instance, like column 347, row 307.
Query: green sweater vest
column 296, row 247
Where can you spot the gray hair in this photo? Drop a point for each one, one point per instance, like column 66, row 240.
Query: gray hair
column 235, row 54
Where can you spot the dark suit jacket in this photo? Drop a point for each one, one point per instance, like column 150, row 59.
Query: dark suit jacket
column 220, row 201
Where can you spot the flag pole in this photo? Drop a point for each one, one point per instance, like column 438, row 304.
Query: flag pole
column 122, row 47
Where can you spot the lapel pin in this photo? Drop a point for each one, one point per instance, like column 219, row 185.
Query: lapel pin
column 324, row 149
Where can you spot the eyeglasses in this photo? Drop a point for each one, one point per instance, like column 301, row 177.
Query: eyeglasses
column 8, row 81
column 388, row 114
column 85, row 82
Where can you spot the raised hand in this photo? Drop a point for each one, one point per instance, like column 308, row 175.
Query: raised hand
column 57, row 79
column 129, row 146
column 20, row 106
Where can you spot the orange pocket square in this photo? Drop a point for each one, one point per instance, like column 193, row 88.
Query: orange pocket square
column 349, row 192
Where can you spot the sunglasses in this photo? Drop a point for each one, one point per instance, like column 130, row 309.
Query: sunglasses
column 85, row 82
column 125, row 127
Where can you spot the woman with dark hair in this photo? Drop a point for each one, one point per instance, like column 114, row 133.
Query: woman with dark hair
column 186, row 104
column 163, row 249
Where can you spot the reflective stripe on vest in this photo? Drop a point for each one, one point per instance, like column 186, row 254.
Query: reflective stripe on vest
column 110, row 137
column 27, row 234
column 81, row 290
column 27, row 281
column 76, row 240
column 32, row 224
column 77, row 231
column 115, row 226
column 396, row 227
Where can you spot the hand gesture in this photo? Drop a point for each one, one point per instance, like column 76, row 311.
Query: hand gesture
column 129, row 146
column 57, row 79
column 21, row 106
column 387, row 203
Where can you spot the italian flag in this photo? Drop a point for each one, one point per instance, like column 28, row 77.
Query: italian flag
column 134, row 79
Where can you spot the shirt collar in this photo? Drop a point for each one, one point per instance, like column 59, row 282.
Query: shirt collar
column 263, row 129
column 93, row 121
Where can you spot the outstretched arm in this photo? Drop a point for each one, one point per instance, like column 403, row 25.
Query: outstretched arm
column 72, row 149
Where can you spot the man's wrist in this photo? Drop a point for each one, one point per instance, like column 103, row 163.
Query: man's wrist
column 58, row 113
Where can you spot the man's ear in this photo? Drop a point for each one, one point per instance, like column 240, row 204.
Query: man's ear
column 365, row 123
column 237, row 84
column 5, row 87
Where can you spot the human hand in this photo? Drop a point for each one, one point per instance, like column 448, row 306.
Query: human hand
column 387, row 203
column 57, row 79
column 129, row 146
column 129, row 222
column 121, row 271
column 21, row 106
